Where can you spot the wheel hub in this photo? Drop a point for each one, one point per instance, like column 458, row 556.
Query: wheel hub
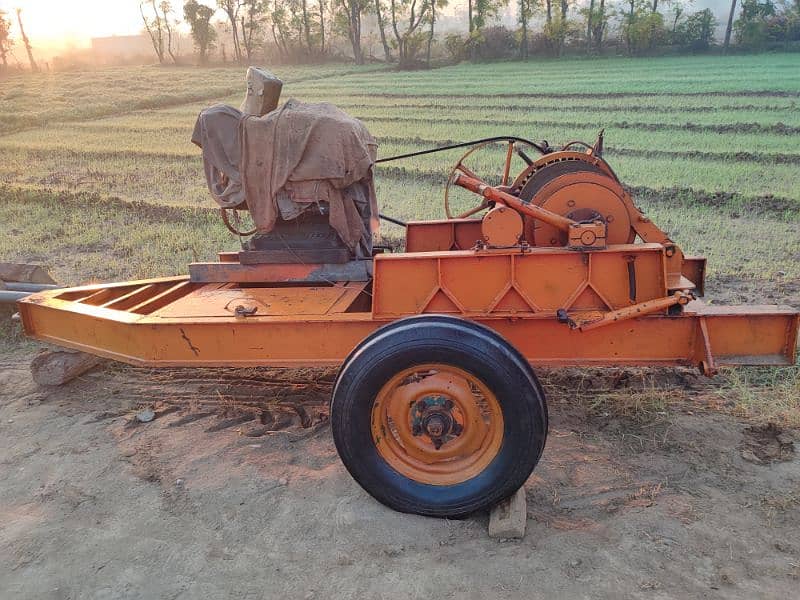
column 437, row 424
column 433, row 416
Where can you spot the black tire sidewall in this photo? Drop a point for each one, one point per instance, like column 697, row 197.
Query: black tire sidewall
column 468, row 346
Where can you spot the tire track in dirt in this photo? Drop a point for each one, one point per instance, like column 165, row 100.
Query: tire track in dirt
column 254, row 402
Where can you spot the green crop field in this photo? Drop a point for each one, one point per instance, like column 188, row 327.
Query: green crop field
column 99, row 181
column 709, row 145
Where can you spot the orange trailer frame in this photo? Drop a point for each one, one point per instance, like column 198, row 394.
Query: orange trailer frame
column 178, row 322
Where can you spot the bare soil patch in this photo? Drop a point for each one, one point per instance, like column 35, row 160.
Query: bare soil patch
column 201, row 502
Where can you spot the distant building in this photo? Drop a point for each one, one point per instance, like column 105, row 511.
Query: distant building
column 117, row 49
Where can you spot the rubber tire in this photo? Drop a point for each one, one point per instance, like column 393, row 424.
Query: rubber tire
column 461, row 343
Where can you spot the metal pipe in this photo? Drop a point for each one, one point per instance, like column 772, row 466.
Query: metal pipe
column 637, row 310
column 474, row 184
column 11, row 297
column 16, row 286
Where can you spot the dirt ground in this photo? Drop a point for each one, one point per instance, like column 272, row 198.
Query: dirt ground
column 234, row 490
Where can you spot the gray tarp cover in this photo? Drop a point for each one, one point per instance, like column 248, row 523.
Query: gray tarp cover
column 307, row 152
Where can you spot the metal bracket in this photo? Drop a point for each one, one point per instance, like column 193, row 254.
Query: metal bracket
column 707, row 366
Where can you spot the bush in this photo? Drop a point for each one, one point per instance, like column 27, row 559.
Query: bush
column 492, row 43
column 752, row 26
column 556, row 32
column 643, row 31
column 696, row 33
column 456, row 47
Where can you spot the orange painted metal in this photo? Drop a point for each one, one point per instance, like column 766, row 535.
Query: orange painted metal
column 637, row 310
column 501, row 227
column 495, row 195
column 737, row 335
column 515, row 282
column 231, row 314
column 514, row 292
column 411, row 448
column 574, row 193
column 448, row 234
column 694, row 270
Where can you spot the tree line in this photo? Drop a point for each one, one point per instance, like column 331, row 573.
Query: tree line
column 407, row 31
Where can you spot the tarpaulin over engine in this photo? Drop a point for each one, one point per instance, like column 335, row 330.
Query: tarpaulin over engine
column 301, row 153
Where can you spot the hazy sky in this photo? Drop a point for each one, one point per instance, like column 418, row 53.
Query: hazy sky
column 50, row 21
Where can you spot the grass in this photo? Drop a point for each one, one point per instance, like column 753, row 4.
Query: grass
column 34, row 100
column 762, row 395
column 98, row 178
column 87, row 237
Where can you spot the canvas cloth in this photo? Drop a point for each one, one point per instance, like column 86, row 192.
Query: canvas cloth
column 291, row 160
column 216, row 131
column 312, row 152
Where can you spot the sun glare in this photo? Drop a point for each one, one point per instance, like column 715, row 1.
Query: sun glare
column 57, row 23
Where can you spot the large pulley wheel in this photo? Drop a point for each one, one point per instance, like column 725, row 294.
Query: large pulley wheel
column 576, row 185
column 438, row 416
column 511, row 148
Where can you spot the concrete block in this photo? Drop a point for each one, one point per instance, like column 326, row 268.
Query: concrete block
column 508, row 518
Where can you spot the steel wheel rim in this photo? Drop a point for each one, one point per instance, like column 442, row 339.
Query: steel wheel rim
column 425, row 401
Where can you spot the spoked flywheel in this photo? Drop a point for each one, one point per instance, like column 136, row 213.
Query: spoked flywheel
column 439, row 416
column 497, row 162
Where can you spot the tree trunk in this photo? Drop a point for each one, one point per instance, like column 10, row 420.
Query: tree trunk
column 237, row 50
column 469, row 14
column 381, row 29
column 430, row 32
column 549, row 11
column 307, row 26
column 655, row 6
column 397, row 37
column 729, row 28
column 246, row 37
column 322, row 27
column 169, row 37
column 601, row 28
column 277, row 40
column 589, row 27
column 354, row 28
column 564, row 10
column 631, row 16
column 57, row 367
column 356, row 11
column 155, row 36
column 28, row 49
